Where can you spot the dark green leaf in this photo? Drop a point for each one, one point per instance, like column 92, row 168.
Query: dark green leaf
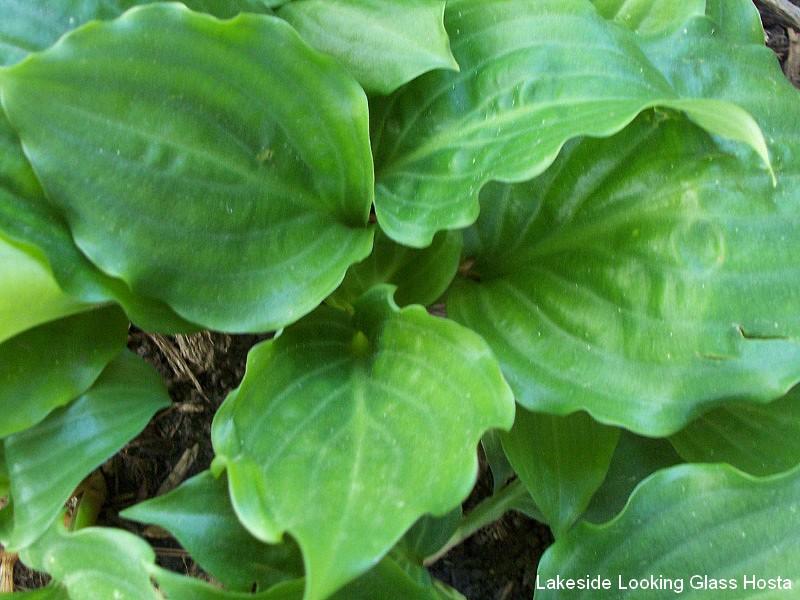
column 47, row 462
column 635, row 459
column 428, row 535
column 346, row 430
column 639, row 287
column 758, row 439
column 181, row 587
column 199, row 514
column 383, row 43
column 502, row 471
column 48, row 366
column 534, row 74
column 421, row 276
column 28, row 219
column 140, row 160
column 561, row 460
column 32, row 25
column 685, row 523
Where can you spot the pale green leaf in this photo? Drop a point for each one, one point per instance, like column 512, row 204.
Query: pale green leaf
column 94, row 563
column 31, row 25
column 669, row 264
column 30, row 295
column 421, row 276
column 682, row 524
column 199, row 514
column 46, row 367
column 207, row 123
column 534, row 74
column 635, row 459
column 383, row 43
column 650, row 17
column 48, row 461
column 346, row 430
column 758, row 439
column 561, row 460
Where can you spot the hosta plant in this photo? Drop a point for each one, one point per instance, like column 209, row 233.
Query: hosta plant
column 565, row 230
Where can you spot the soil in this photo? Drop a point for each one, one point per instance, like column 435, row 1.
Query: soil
column 497, row 563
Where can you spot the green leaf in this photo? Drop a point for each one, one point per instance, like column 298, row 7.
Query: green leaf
column 428, row 535
column 649, row 265
column 635, row 459
column 95, row 562
column 32, row 224
column 534, row 74
column 650, row 17
column 561, row 460
column 32, row 26
column 421, row 276
column 758, row 439
column 51, row 592
column 738, row 21
column 346, row 429
column 140, row 160
column 181, row 587
column 684, row 523
column 395, row 579
column 46, row 367
column 199, row 514
column 502, row 471
column 30, row 295
column 383, row 43
column 48, row 461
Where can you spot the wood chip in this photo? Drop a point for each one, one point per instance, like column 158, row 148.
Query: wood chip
column 7, row 562
column 784, row 10
column 179, row 470
column 792, row 65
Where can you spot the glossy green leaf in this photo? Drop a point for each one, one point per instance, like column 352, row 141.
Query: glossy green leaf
column 649, row 17
column 199, row 514
column 168, row 154
column 758, row 439
column 682, row 524
column 650, row 265
column 534, row 74
column 383, row 43
column 95, row 562
column 421, row 276
column 30, row 295
column 561, row 460
column 29, row 26
column 46, row 367
column 33, row 225
column 635, row 459
column 48, row 461
column 346, row 429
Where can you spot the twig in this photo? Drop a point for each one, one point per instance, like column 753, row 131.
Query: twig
column 179, row 471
